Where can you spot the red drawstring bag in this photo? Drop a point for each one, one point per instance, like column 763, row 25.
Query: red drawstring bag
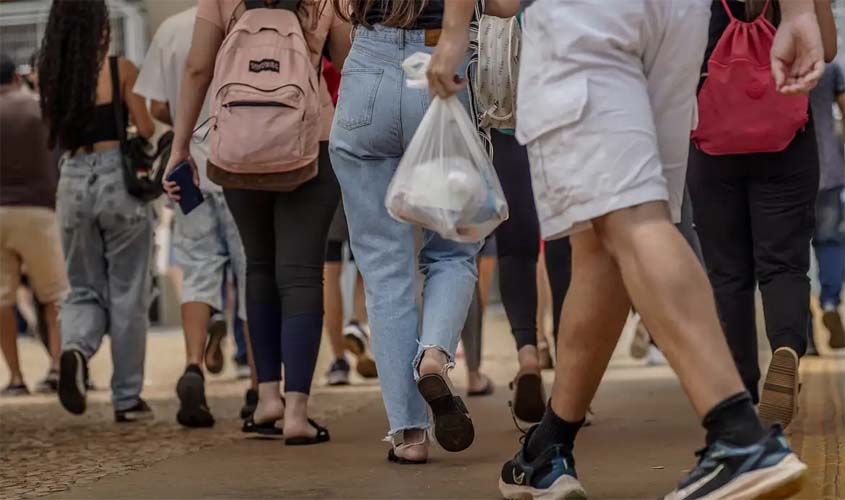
column 332, row 77
column 740, row 110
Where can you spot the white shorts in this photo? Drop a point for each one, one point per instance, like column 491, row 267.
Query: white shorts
column 607, row 99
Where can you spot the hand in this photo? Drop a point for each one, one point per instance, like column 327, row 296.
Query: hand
column 172, row 188
column 450, row 53
column 797, row 55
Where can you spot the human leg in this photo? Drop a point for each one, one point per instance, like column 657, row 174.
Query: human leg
column 829, row 244
column 558, row 256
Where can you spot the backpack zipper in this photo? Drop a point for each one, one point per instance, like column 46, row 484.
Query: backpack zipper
column 256, row 104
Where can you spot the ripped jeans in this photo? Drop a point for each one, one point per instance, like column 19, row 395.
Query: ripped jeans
column 374, row 122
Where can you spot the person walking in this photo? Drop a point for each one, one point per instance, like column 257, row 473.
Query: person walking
column 375, row 120
column 206, row 241
column 754, row 214
column 107, row 234
column 610, row 158
column 829, row 237
column 283, row 232
column 29, row 234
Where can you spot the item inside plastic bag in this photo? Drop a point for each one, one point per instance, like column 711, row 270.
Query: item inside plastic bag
column 445, row 182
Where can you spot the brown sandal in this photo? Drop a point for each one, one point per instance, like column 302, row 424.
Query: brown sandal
column 452, row 426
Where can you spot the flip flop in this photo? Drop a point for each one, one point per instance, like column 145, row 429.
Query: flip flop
column 264, row 429
column 396, row 459
column 452, row 426
column 321, row 437
column 488, row 389
column 529, row 396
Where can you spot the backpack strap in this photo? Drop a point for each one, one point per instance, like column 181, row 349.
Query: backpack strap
column 291, row 5
column 117, row 103
column 731, row 14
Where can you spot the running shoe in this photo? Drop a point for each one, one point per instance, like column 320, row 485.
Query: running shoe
column 50, row 383
column 358, row 343
column 141, row 411
column 767, row 469
column 214, row 359
column 13, row 390
column 779, row 399
column 193, row 407
column 73, row 377
column 550, row 476
column 338, row 373
column 833, row 322
column 641, row 341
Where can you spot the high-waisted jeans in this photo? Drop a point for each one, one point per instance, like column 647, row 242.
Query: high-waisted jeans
column 375, row 120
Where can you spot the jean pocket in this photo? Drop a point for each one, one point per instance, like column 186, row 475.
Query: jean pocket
column 357, row 99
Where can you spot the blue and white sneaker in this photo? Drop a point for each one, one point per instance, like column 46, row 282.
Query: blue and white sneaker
column 767, row 469
column 550, row 476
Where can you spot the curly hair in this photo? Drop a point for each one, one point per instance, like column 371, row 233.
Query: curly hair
column 73, row 50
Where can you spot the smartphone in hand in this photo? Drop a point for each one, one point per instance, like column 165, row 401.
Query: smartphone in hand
column 190, row 196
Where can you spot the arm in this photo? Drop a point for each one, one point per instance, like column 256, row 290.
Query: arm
column 138, row 114
column 199, row 70
column 502, row 8
column 339, row 42
column 161, row 111
column 824, row 13
column 797, row 54
column 451, row 50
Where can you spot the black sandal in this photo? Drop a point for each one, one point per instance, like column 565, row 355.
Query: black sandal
column 264, row 429
column 321, row 437
column 452, row 426
column 488, row 389
column 396, row 459
column 529, row 398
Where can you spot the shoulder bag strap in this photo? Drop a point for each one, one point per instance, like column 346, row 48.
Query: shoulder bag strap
column 117, row 103
column 471, row 75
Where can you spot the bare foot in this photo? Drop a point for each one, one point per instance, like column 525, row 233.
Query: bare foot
column 433, row 361
column 414, row 446
column 528, row 358
column 296, row 416
column 270, row 406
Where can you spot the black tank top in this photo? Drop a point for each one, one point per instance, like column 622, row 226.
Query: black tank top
column 104, row 127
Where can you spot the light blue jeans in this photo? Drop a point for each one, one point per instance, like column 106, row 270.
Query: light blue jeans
column 375, row 120
column 107, row 236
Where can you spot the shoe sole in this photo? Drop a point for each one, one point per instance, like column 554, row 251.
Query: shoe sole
column 529, row 400
column 833, row 323
column 779, row 400
column 214, row 360
column 452, row 426
column 364, row 364
column 776, row 482
column 191, row 393
column 72, row 382
column 564, row 488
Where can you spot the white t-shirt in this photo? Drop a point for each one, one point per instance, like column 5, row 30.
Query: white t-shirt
column 161, row 80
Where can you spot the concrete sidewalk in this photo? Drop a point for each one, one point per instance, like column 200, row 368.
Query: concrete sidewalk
column 641, row 443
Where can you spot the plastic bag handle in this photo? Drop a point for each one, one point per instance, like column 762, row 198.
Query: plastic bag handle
column 415, row 67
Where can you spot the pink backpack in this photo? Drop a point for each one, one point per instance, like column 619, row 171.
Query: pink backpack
column 740, row 110
column 265, row 104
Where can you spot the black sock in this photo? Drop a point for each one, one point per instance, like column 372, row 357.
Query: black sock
column 551, row 430
column 195, row 369
column 735, row 421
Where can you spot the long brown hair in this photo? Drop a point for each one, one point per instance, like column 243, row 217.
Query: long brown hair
column 400, row 13
column 754, row 8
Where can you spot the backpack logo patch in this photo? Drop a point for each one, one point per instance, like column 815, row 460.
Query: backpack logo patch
column 264, row 65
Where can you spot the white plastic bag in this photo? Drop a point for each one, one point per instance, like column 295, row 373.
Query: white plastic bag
column 445, row 181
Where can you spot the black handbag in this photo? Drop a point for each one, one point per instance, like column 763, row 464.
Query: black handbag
column 142, row 171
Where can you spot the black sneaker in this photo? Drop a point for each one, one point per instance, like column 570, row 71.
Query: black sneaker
column 338, row 373
column 550, row 476
column 767, row 469
column 214, row 359
column 250, row 402
column 193, row 408
column 73, row 374
column 141, row 411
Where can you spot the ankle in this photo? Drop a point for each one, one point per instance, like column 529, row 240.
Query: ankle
column 433, row 361
column 529, row 358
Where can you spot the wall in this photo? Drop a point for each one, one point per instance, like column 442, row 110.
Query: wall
column 159, row 10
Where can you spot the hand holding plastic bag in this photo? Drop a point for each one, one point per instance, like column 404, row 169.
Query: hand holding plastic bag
column 445, row 181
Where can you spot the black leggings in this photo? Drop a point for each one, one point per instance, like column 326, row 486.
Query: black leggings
column 518, row 245
column 284, row 237
column 755, row 216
